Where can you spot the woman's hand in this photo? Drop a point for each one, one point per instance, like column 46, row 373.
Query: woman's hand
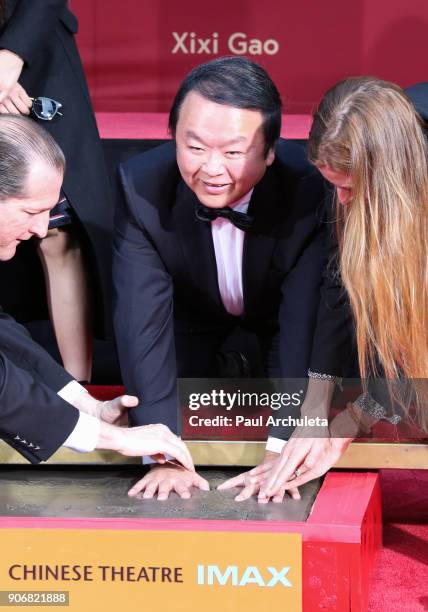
column 304, row 458
column 13, row 97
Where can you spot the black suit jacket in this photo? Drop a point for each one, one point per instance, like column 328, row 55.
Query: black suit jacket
column 165, row 270
column 33, row 418
column 418, row 94
column 334, row 348
column 42, row 33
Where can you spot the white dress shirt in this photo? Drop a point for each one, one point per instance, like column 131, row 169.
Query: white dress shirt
column 228, row 246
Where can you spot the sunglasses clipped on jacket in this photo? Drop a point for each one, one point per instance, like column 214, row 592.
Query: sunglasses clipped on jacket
column 46, row 109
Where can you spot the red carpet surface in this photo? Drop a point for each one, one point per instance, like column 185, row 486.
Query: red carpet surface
column 400, row 580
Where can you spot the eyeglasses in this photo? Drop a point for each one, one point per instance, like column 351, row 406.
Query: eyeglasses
column 46, row 108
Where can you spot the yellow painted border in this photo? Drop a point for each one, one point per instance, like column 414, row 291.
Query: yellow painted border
column 368, row 455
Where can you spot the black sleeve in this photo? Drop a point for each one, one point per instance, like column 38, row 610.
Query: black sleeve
column 300, row 297
column 143, row 321
column 29, row 25
column 333, row 347
column 33, row 419
column 17, row 344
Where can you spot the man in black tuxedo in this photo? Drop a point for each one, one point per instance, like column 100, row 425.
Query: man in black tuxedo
column 219, row 229
column 41, row 406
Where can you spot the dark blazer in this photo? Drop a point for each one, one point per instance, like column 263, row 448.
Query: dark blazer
column 165, row 273
column 42, row 33
column 334, row 348
column 33, row 418
column 17, row 344
column 418, row 94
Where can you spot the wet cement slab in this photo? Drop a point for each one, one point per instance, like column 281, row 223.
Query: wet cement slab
column 52, row 491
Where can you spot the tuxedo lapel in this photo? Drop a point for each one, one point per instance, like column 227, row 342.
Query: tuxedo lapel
column 266, row 207
column 196, row 243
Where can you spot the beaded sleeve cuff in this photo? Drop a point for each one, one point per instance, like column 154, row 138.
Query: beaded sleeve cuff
column 371, row 407
column 322, row 376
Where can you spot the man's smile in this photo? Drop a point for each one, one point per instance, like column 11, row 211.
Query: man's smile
column 215, row 188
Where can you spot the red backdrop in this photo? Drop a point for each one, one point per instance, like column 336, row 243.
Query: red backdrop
column 136, row 52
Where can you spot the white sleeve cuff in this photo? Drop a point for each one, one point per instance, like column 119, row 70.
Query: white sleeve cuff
column 84, row 436
column 71, row 391
column 275, row 445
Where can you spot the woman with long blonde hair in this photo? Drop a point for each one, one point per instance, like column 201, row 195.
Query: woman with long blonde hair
column 368, row 141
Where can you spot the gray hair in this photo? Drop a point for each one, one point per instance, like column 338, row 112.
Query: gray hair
column 22, row 143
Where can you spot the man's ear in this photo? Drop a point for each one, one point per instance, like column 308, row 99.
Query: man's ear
column 270, row 157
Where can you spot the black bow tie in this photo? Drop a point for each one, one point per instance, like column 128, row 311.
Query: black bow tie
column 240, row 220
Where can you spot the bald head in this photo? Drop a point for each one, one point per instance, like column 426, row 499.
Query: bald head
column 31, row 172
column 23, row 144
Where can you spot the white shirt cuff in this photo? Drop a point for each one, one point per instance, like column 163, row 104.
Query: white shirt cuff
column 275, row 445
column 71, row 391
column 84, row 436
